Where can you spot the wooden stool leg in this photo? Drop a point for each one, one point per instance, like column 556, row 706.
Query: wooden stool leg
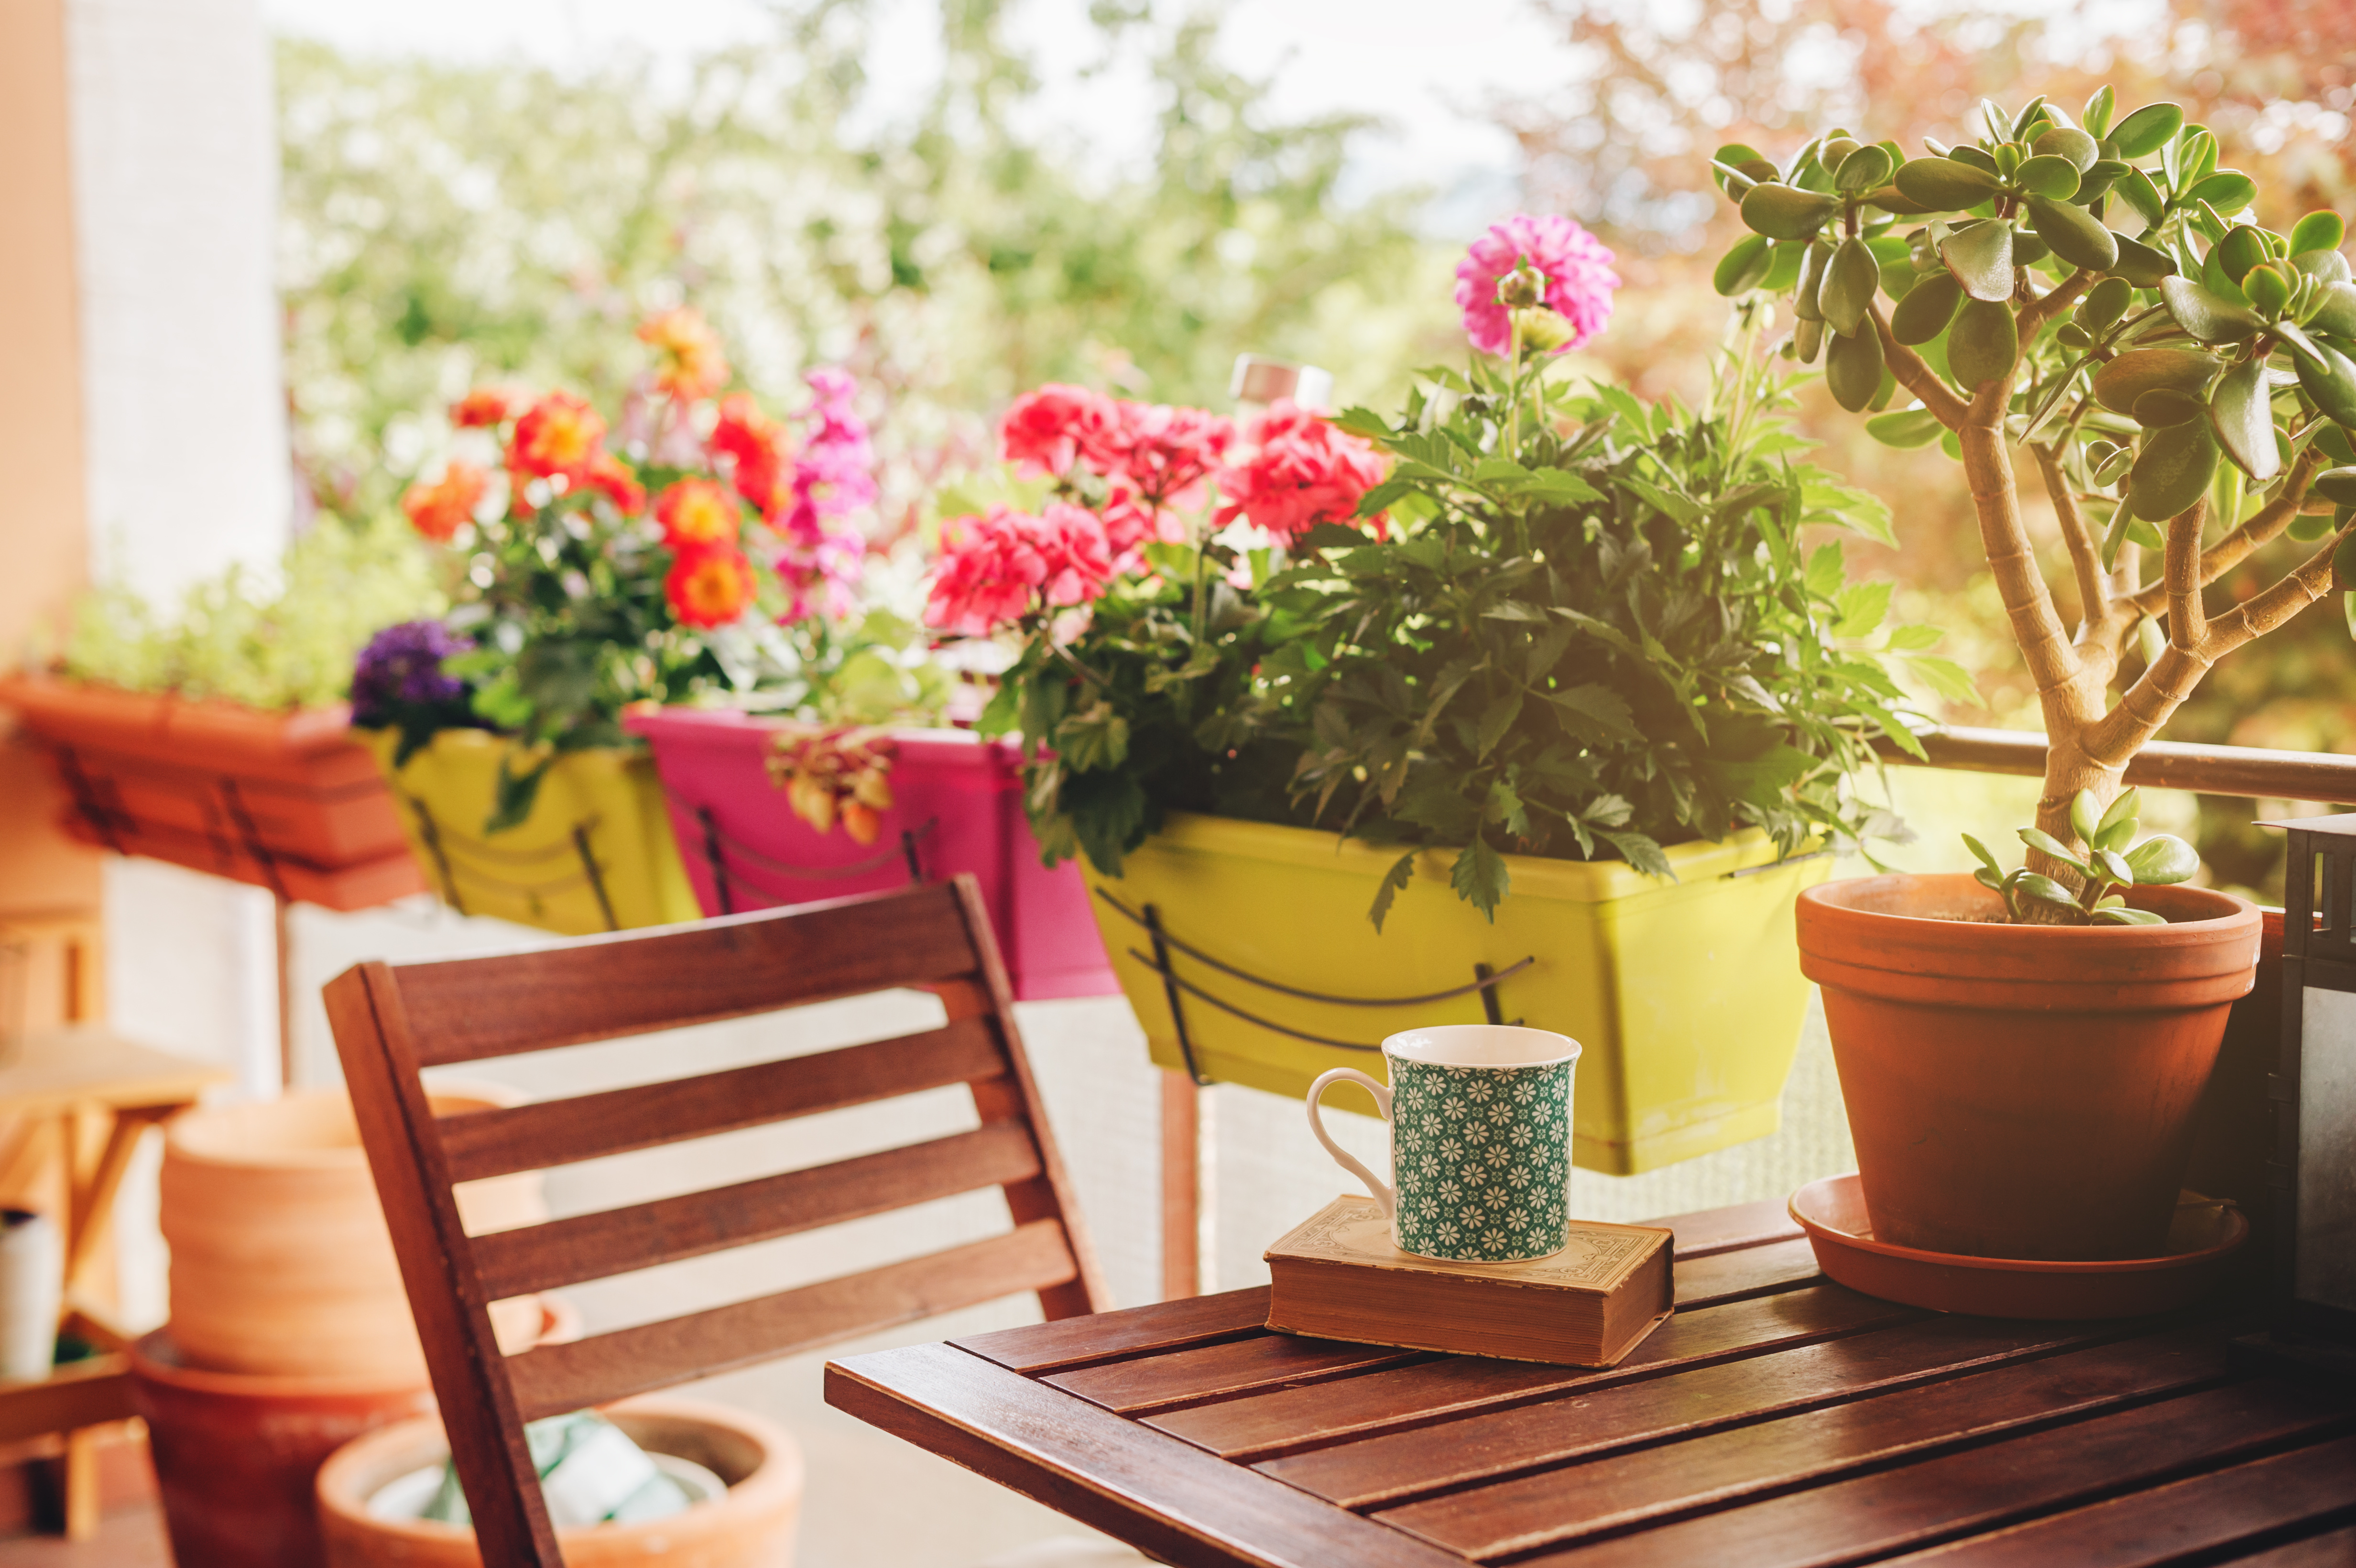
column 1182, row 1187
column 81, row 1497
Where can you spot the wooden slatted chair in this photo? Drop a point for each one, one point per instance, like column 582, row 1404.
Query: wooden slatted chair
column 390, row 1022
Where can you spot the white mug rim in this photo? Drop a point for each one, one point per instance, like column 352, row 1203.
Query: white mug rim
column 1570, row 1053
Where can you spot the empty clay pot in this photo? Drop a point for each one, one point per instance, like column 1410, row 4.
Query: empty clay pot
column 752, row 1527
column 2020, row 1091
column 281, row 1263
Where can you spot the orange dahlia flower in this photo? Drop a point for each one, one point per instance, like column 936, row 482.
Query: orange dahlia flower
column 697, row 512
column 758, row 446
column 689, row 361
column 708, row 587
column 617, row 479
column 440, row 508
column 482, row 406
column 558, row 434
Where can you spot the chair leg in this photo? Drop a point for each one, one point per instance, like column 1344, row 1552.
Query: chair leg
column 1182, row 1187
column 81, row 1499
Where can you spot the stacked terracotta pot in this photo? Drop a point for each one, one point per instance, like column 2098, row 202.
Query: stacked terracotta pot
column 290, row 1331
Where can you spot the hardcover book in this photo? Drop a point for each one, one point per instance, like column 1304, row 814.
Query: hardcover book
column 1339, row 1276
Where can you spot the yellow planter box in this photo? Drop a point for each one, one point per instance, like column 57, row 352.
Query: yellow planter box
column 1687, row 998
column 596, row 854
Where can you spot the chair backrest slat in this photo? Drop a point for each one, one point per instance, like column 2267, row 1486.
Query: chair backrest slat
column 555, row 1379
column 604, row 987
column 391, row 1023
column 617, row 1240
column 617, row 1121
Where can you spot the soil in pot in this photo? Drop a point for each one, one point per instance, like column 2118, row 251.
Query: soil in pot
column 2022, row 1092
column 281, row 1263
column 752, row 1526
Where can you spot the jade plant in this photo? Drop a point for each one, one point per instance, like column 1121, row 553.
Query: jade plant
column 2112, row 860
column 2097, row 292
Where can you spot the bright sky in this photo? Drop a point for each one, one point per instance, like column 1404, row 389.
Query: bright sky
column 1427, row 70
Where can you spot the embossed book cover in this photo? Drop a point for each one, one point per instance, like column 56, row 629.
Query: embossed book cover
column 1339, row 1276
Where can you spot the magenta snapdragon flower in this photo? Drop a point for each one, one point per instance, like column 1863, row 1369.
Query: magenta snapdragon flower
column 1579, row 277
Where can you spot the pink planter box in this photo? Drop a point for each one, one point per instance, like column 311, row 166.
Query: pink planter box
column 958, row 799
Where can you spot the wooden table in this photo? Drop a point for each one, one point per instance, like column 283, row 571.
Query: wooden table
column 1777, row 1420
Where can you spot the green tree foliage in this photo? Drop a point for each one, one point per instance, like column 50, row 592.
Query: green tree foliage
column 446, row 225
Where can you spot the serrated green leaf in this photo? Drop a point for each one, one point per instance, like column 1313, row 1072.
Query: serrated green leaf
column 1825, row 570
column 1861, row 608
column 1914, row 639
column 1947, row 679
column 1480, row 878
column 1394, row 882
column 1495, row 719
column 1590, row 711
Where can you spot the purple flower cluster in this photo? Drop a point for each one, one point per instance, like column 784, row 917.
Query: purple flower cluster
column 833, row 477
column 400, row 672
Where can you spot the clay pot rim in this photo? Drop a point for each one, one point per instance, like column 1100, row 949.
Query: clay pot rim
column 1803, row 1206
column 779, row 1472
column 340, row 1158
column 154, row 1358
column 1825, row 901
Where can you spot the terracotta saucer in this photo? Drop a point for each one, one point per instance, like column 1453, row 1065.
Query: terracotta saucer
column 2202, row 1242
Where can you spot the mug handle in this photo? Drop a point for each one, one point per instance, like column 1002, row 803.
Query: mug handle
column 1377, row 1188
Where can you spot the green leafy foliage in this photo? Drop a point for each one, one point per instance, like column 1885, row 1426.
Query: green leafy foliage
column 1612, row 641
column 272, row 638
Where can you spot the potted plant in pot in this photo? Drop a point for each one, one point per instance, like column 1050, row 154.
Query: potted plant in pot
column 2096, row 291
column 712, row 557
column 216, row 738
column 1566, row 681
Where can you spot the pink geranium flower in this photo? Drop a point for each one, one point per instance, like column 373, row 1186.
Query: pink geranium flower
column 997, row 568
column 1577, row 269
column 1045, row 431
column 1300, row 471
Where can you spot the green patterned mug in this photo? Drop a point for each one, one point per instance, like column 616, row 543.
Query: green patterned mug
column 1480, row 1119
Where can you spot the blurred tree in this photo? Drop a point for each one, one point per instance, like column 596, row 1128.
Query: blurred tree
column 444, row 225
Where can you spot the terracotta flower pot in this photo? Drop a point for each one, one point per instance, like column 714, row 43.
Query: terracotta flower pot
column 282, row 800
column 236, row 1455
column 751, row 1527
column 2022, row 1092
column 281, row 1263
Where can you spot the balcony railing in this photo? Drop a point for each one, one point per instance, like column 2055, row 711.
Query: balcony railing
column 2248, row 770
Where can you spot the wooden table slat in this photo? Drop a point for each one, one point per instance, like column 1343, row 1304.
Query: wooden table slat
column 1134, row 1330
column 1556, row 1505
column 1975, row 1489
column 1270, row 1359
column 2332, row 1548
column 1396, row 1466
column 2169, row 1523
column 1771, row 1266
column 1709, row 1231
column 1174, row 1503
column 1289, row 1419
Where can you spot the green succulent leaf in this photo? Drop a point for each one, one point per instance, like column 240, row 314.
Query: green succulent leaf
column 1863, row 170
column 1786, row 212
column 2267, row 289
column 2096, row 115
column 2227, row 190
column 2324, row 266
column 2343, row 568
column 2173, row 470
column 2104, row 304
column 2141, row 265
column 2077, row 236
column 1927, row 308
column 2050, row 176
column 2161, row 861
column 2244, row 420
column 1853, row 368
column 1944, row 184
column 2317, row 231
column 1850, row 280
column 2119, row 384
column 2068, row 142
column 2085, row 815
column 1807, row 292
column 2125, row 812
column 2337, row 485
column 2043, row 889
column 2110, row 867
column 1984, row 344
column 1986, row 860
column 1980, row 258
column 2164, row 406
column 2135, row 188
column 2242, row 247
column 2329, row 380
column 1906, row 428
column 2122, row 915
column 2147, row 130
column 2207, row 317
column 1744, row 267
column 2038, row 838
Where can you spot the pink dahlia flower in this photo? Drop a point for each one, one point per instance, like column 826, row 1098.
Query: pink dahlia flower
column 1299, row 471
column 1579, row 277
column 995, row 568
